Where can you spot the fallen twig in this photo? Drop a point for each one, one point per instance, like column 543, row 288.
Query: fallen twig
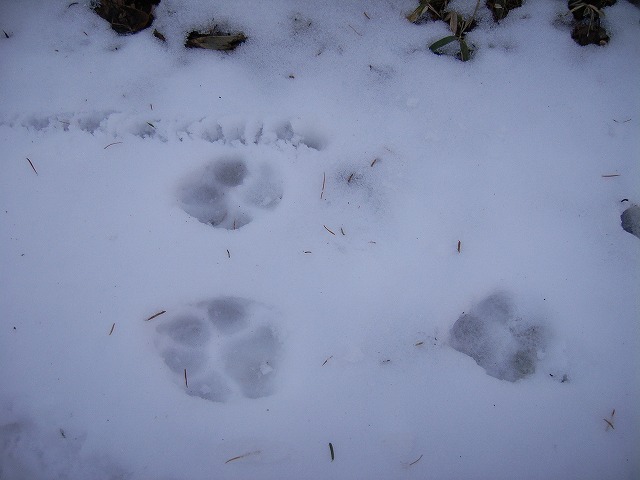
column 155, row 315
column 30, row 163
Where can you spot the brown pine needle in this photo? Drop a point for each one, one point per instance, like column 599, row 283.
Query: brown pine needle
column 419, row 343
column 325, row 362
column 228, row 253
column 151, row 125
column 374, row 162
column 611, row 175
column 459, row 246
column 114, row 143
column 112, row 327
column 186, row 382
column 350, row 178
column 416, row 461
column 307, row 251
column 331, row 451
column 30, row 163
column 155, row 315
column 324, row 180
column 365, row 14
column 325, row 227
column 609, row 424
column 242, row 456
column 357, row 32
column 342, row 231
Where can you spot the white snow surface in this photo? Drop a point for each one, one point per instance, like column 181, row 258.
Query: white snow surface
column 339, row 163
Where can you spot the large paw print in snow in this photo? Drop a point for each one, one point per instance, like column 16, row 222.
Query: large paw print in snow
column 504, row 344
column 222, row 347
column 228, row 193
column 630, row 219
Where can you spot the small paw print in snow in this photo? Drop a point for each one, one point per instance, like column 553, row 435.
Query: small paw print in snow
column 229, row 192
column 222, row 347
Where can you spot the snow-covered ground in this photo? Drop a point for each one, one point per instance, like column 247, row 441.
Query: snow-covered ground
column 416, row 260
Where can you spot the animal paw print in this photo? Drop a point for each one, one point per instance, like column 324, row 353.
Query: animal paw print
column 222, row 347
column 228, row 193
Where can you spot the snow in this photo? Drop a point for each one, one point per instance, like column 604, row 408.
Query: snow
column 296, row 207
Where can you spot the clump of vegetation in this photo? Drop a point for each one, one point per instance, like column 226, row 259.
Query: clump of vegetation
column 500, row 8
column 435, row 9
column 126, row 16
column 587, row 15
column 459, row 27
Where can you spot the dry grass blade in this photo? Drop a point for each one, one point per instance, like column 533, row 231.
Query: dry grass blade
column 31, row 163
column 155, row 315
column 325, row 227
column 114, row 143
column 243, row 456
column 112, row 327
